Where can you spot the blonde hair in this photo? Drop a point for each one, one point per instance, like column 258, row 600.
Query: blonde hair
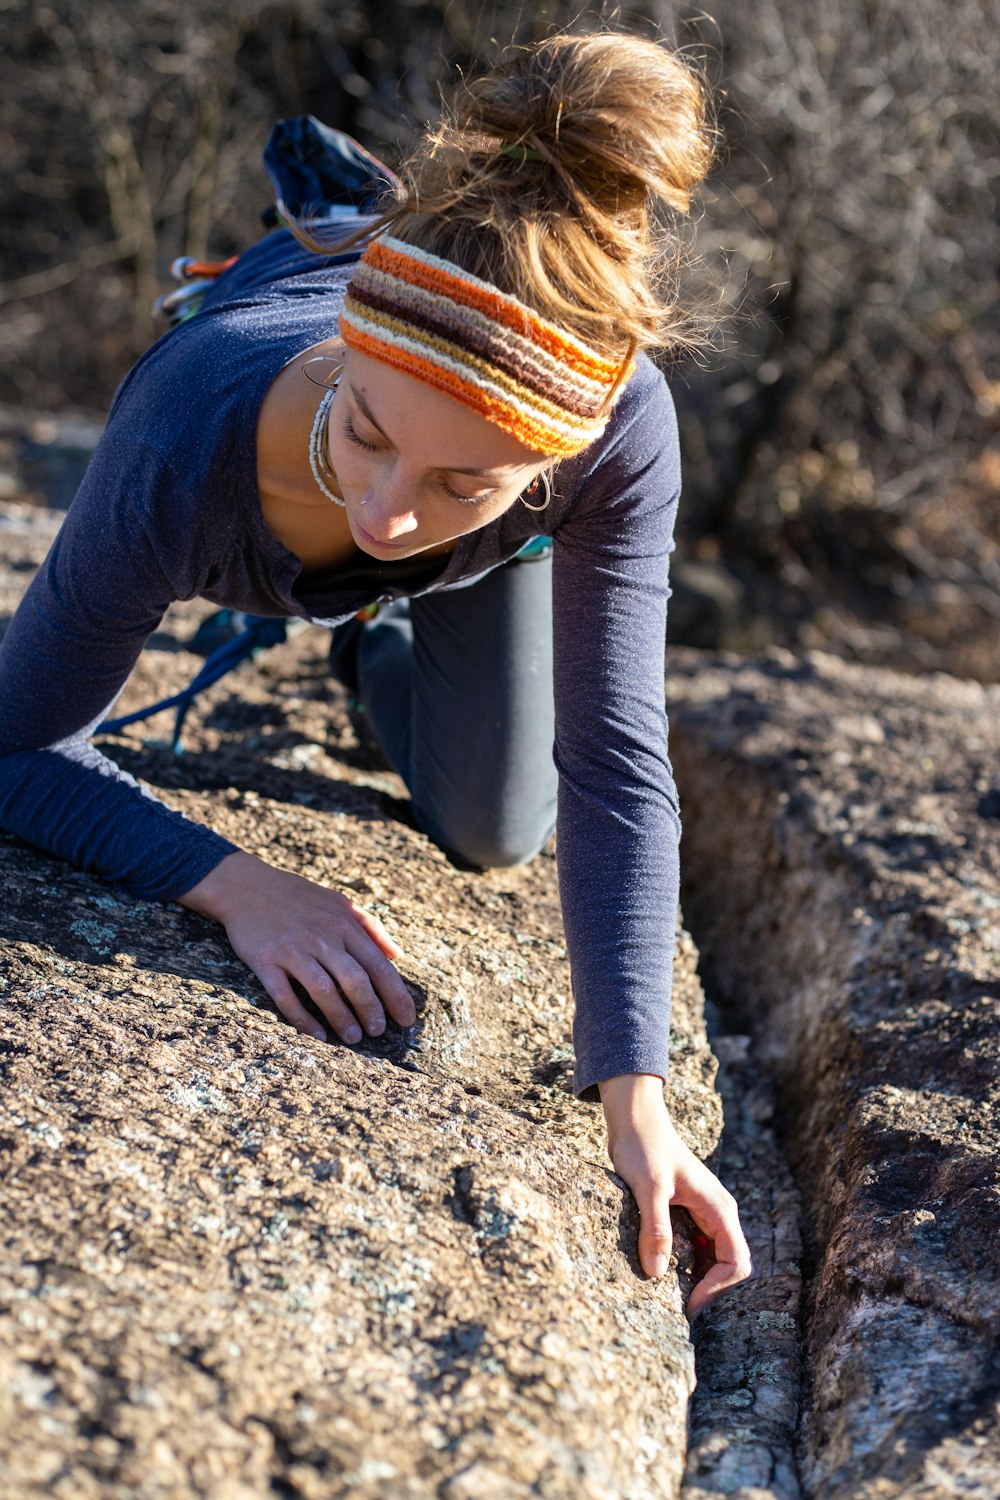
column 562, row 176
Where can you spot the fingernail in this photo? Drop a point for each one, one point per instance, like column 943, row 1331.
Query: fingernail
column 352, row 1034
column 318, row 1036
column 660, row 1265
column 376, row 1028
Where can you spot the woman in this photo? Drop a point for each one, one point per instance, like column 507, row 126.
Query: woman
column 486, row 386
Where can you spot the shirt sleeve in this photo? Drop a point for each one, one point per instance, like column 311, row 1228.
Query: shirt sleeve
column 618, row 819
column 127, row 548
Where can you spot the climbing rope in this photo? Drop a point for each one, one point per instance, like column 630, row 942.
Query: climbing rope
column 258, row 633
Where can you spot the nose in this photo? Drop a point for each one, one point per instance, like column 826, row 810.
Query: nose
column 388, row 515
column 394, row 526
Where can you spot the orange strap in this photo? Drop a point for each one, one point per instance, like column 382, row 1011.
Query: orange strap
column 211, row 268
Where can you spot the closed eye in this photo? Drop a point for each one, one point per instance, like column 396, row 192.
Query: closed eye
column 465, row 499
column 354, row 436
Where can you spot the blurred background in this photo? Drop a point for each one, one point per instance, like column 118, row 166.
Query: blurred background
column 840, row 435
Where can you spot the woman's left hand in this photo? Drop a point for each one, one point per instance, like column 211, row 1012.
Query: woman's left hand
column 647, row 1152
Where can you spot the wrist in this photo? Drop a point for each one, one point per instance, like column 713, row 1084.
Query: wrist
column 215, row 895
column 628, row 1094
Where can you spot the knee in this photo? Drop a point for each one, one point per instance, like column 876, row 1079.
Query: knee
column 502, row 853
column 490, row 843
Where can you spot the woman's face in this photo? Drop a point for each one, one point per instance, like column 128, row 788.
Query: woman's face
column 415, row 467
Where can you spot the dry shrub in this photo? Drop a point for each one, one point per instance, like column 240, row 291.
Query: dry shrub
column 854, row 401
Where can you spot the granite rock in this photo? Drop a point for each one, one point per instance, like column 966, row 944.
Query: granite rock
column 237, row 1262
column 842, row 851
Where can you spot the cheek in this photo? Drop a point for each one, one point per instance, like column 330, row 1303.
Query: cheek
column 451, row 516
column 500, row 507
column 347, row 461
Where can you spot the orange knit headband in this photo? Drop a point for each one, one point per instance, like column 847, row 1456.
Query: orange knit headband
column 431, row 319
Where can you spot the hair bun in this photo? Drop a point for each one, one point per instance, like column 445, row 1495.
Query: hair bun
column 619, row 119
column 559, row 177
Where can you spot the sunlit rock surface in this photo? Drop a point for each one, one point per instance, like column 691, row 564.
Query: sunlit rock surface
column 237, row 1262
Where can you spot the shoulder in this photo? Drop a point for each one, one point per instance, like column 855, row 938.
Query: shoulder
column 195, row 394
column 259, row 316
column 644, row 413
column 275, row 300
column 278, row 267
column 640, row 443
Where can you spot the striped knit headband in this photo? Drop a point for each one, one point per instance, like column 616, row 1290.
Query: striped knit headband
column 427, row 317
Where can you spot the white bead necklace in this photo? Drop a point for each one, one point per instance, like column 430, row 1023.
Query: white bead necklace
column 317, row 447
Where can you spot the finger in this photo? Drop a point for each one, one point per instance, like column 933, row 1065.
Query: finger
column 356, row 988
column 656, row 1236
column 275, row 982
column 387, row 983
column 716, row 1213
column 377, row 932
column 723, row 1275
column 322, row 988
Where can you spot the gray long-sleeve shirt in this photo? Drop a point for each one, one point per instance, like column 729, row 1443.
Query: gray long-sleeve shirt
column 169, row 509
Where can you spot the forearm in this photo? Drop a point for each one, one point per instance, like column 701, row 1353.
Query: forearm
column 619, row 877
column 619, row 886
column 103, row 821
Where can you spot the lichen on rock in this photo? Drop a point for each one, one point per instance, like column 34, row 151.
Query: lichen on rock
column 237, row 1260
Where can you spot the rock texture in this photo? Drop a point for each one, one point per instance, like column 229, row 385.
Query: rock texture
column 842, row 849
column 743, row 1416
column 238, row 1263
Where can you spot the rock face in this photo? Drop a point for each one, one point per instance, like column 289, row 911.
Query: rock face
column 842, row 850
column 240, row 1263
column 237, row 1262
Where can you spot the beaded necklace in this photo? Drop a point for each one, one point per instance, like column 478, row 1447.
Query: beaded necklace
column 318, row 462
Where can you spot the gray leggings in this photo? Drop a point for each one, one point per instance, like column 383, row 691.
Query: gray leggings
column 457, row 687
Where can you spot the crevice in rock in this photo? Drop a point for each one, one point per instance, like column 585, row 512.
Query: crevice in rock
column 743, row 1413
column 844, row 895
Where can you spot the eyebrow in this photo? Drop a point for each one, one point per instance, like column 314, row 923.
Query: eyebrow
column 367, row 412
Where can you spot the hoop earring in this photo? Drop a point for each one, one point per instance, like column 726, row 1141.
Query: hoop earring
column 323, row 371
column 540, row 481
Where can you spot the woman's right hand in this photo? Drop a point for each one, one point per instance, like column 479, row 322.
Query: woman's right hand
column 285, row 927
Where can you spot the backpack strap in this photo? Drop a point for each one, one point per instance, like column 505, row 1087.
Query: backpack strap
column 314, row 171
